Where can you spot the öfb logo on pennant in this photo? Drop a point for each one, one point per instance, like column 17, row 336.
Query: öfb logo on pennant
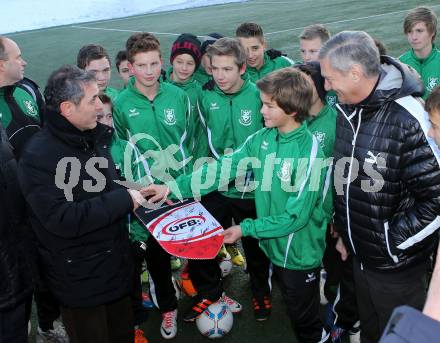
column 184, row 230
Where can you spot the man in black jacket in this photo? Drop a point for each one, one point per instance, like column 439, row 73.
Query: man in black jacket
column 66, row 174
column 386, row 177
column 15, row 275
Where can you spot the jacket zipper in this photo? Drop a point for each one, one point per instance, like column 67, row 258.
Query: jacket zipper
column 386, row 229
column 353, row 143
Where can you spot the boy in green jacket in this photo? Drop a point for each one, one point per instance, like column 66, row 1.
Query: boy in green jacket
column 204, row 73
column 259, row 61
column 230, row 110
column 95, row 58
column 420, row 27
column 154, row 116
column 290, row 223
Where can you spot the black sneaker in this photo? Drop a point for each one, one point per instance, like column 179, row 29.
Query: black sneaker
column 197, row 309
column 262, row 307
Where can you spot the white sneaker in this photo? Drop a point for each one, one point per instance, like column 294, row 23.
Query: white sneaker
column 233, row 305
column 168, row 328
column 57, row 335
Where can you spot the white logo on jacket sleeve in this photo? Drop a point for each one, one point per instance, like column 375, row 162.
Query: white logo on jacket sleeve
column 30, row 108
column 133, row 112
column 264, row 145
column 432, row 83
column 169, row 116
column 246, row 117
column 285, row 171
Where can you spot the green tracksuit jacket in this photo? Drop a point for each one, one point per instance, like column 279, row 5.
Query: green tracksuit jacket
column 269, row 66
column 289, row 195
column 201, row 75
column 112, row 93
column 229, row 120
column 197, row 139
column 138, row 170
column 158, row 128
column 24, row 100
column 428, row 68
column 323, row 127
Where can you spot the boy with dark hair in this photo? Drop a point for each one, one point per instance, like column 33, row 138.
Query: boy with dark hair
column 204, row 73
column 311, row 40
column 94, row 58
column 154, row 116
column 121, row 62
column 420, row 27
column 230, row 110
column 259, row 61
column 290, row 224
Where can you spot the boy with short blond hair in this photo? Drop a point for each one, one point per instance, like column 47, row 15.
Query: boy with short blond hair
column 259, row 61
column 311, row 40
column 432, row 106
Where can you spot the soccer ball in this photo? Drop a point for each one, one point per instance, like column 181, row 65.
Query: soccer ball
column 216, row 321
column 225, row 265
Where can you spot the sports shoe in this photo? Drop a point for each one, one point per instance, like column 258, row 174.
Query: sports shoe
column 223, row 253
column 146, row 301
column 234, row 305
column 57, row 335
column 168, row 328
column 139, row 336
column 262, row 307
column 199, row 305
column 175, row 263
column 236, row 256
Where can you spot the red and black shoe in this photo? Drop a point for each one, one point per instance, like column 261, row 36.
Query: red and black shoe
column 199, row 305
column 262, row 307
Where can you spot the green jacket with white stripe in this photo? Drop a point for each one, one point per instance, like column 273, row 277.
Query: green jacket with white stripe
column 159, row 128
column 125, row 157
column 289, row 195
column 323, row 127
column 269, row 65
column 229, row 120
column 428, row 68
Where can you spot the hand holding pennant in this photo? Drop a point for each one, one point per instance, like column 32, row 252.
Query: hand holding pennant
column 185, row 229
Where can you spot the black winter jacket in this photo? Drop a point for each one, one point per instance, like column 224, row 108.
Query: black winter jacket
column 83, row 243
column 15, row 271
column 392, row 226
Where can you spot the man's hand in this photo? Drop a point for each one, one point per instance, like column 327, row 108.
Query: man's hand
column 340, row 247
column 136, row 197
column 156, row 193
column 232, row 234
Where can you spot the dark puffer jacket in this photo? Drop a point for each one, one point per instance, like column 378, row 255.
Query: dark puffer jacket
column 15, row 271
column 83, row 243
column 392, row 226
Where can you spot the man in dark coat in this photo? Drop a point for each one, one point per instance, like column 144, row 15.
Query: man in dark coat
column 67, row 177
column 386, row 177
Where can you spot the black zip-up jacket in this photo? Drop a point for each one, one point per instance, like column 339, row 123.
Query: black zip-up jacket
column 83, row 243
column 391, row 227
column 15, row 270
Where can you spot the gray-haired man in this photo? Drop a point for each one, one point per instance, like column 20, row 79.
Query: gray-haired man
column 66, row 175
column 388, row 211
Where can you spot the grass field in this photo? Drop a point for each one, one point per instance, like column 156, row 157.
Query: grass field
column 282, row 21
